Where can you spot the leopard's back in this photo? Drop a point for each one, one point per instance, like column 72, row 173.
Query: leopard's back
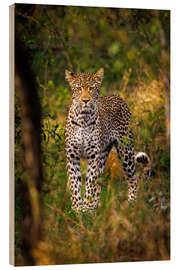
column 113, row 112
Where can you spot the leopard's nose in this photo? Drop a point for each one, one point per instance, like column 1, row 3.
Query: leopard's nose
column 86, row 101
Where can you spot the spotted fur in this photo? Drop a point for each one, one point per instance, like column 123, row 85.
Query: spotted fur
column 93, row 126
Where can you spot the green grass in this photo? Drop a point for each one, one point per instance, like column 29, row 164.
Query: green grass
column 116, row 231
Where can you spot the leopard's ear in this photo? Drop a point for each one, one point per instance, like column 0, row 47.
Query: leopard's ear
column 69, row 76
column 99, row 75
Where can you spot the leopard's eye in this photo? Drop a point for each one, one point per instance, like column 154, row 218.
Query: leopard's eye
column 91, row 88
column 78, row 89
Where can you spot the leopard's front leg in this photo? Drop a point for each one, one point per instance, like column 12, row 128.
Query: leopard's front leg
column 74, row 175
column 92, row 189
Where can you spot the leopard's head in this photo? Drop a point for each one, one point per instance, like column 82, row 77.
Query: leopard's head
column 85, row 89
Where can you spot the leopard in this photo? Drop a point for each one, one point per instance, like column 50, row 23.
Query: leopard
column 95, row 124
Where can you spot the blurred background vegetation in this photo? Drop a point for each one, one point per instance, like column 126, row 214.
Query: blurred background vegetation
column 133, row 47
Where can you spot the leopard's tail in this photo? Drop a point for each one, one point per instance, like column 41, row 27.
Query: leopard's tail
column 143, row 158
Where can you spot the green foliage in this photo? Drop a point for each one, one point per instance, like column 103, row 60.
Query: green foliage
column 81, row 39
column 128, row 44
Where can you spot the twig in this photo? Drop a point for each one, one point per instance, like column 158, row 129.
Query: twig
column 59, row 36
column 27, row 17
